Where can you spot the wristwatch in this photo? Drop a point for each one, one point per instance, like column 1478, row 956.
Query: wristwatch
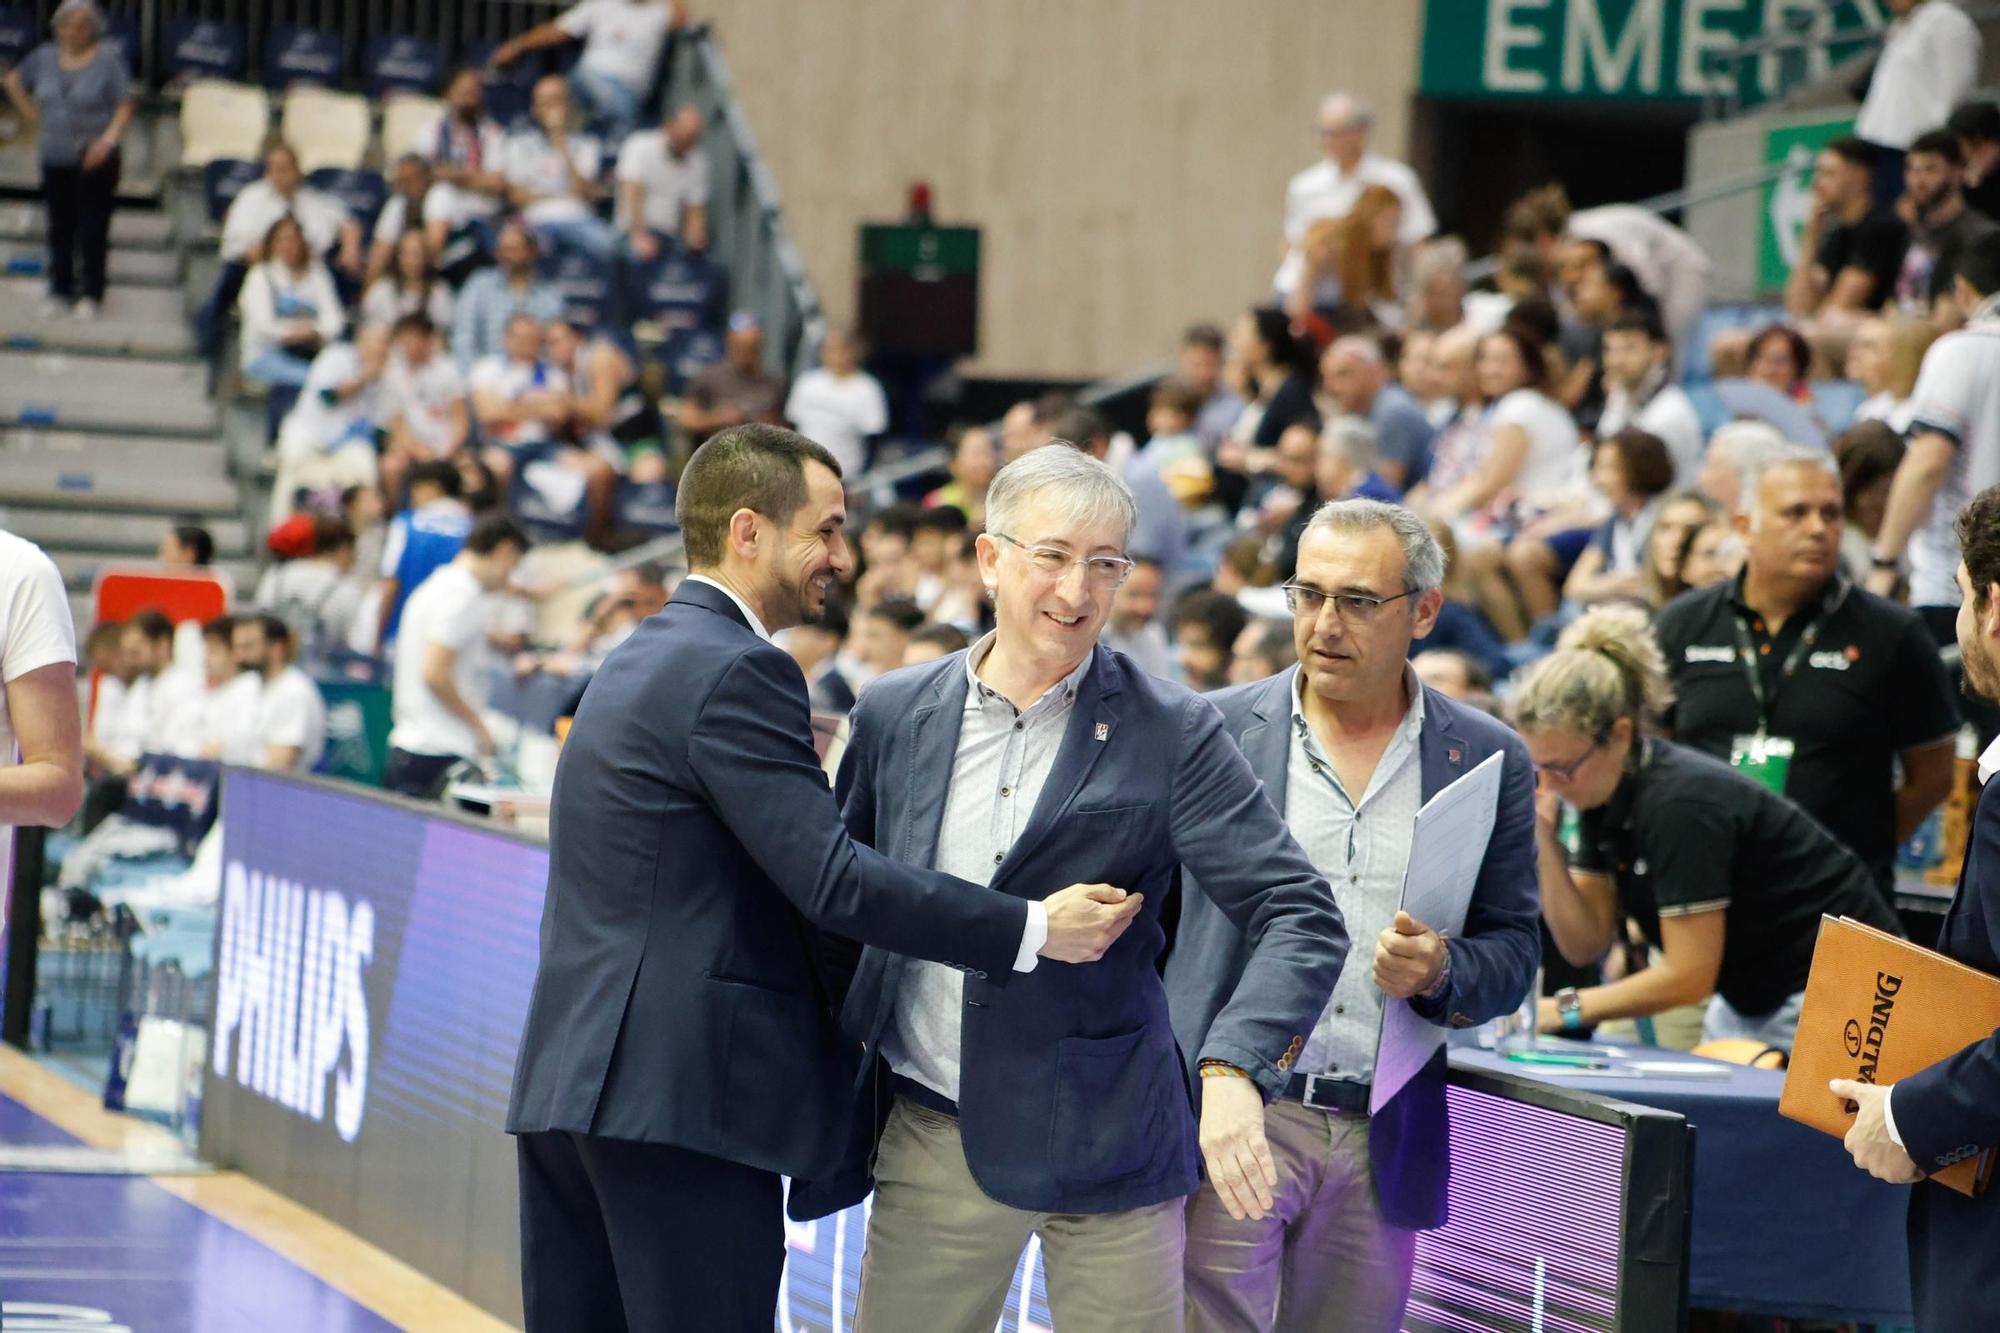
column 1569, row 1007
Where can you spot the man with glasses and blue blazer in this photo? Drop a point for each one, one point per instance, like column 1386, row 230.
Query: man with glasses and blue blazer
column 1350, row 745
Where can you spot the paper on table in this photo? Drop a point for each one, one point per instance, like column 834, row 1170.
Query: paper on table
column 1447, row 848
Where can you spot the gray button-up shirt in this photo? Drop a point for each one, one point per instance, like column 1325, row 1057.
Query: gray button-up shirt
column 1004, row 758
column 1363, row 849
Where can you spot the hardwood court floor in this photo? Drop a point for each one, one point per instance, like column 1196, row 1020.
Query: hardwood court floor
column 190, row 1254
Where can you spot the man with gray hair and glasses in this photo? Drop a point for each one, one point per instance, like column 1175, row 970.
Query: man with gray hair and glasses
column 1057, row 1107
column 1349, row 744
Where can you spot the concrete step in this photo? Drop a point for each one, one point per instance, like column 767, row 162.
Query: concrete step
column 128, row 266
column 130, row 227
column 142, row 321
column 99, row 393
column 138, row 180
column 126, row 535
column 81, row 568
column 58, row 482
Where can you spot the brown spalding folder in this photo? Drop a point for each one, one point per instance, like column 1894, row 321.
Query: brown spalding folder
column 1879, row 1009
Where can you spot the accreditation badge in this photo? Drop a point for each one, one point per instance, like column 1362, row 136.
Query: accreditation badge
column 1765, row 758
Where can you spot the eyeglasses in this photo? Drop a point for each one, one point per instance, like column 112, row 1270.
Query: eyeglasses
column 1352, row 607
column 1103, row 571
column 1567, row 772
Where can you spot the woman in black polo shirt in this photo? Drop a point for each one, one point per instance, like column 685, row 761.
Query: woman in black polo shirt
column 1726, row 878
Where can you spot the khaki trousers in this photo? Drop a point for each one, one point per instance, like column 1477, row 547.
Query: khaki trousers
column 941, row 1255
column 1323, row 1260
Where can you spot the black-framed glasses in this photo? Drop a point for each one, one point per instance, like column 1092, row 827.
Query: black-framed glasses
column 1567, row 772
column 1354, row 608
column 1103, row 571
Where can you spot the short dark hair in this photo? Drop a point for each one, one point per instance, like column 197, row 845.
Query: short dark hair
column 901, row 612
column 415, row 322
column 1867, row 452
column 1853, row 150
column 222, row 628
column 948, row 519
column 1649, row 468
column 1978, row 531
column 1801, row 349
column 438, row 473
column 274, row 627
column 1217, row 613
column 1977, row 122
column 492, row 532
column 754, row 466
column 1275, row 642
column 1203, row 335
column 1979, row 264
column 901, row 519
column 1638, row 321
column 949, row 638
column 330, row 533
column 1537, row 318
column 1177, row 395
column 1080, row 425
column 652, row 573
column 197, row 540
column 1938, row 143
column 153, row 623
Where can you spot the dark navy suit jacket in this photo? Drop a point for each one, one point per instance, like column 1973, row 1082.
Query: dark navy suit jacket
column 694, row 846
column 1952, row 1111
column 1492, row 960
column 1073, row 1098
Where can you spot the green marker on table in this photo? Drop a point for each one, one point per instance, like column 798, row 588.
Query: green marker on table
column 1558, row 1059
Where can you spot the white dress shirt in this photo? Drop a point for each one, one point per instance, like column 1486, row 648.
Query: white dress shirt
column 1929, row 62
column 1323, row 190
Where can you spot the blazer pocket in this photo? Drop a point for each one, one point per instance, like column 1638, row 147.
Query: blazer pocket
column 1112, row 1104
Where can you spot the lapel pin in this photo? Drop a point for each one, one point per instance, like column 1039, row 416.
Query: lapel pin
column 1451, row 756
column 1103, row 731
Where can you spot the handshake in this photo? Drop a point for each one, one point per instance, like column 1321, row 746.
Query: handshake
column 1085, row 920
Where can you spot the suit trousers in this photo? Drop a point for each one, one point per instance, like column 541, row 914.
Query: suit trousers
column 1323, row 1260
column 942, row 1255
column 623, row 1237
column 1954, row 1259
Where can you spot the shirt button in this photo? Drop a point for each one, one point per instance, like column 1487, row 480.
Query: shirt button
column 1006, row 791
column 1339, row 1009
column 1019, row 725
column 1354, row 879
column 998, row 857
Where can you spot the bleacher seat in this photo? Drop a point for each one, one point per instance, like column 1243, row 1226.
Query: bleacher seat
column 548, row 498
column 326, row 129
column 680, row 290
column 396, row 63
column 220, row 119
column 364, row 192
column 507, row 92
column 18, row 34
column 222, row 179
column 687, row 353
column 1836, row 402
column 203, row 49
column 406, row 118
column 296, row 55
column 585, row 285
column 121, row 34
column 647, row 508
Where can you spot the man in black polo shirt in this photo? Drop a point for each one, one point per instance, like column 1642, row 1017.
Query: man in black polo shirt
column 1807, row 683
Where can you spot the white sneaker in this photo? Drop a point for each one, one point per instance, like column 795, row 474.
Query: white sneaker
column 85, row 310
column 52, row 307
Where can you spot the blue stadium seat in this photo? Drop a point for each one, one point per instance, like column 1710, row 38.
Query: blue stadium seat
column 507, row 92
column 293, row 54
column 687, row 353
column 364, row 192
column 203, row 49
column 1836, row 402
column 1716, row 319
column 121, row 31
column 222, row 180
column 18, row 33
column 395, row 63
column 648, row 508
column 678, row 291
column 548, row 517
column 586, row 287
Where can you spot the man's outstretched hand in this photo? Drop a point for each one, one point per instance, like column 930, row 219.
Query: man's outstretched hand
column 1085, row 920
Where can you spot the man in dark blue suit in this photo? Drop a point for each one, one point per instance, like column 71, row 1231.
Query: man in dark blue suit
column 1350, row 745
column 1951, row 1111
column 680, row 1049
column 1058, row 1107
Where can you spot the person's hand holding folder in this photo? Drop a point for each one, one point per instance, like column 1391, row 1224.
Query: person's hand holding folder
column 1868, row 1139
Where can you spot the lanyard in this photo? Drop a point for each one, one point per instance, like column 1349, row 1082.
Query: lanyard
column 1748, row 652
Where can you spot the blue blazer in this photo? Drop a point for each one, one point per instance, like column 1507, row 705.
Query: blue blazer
column 1073, row 1098
column 1952, row 1110
column 695, row 845
column 1492, row 961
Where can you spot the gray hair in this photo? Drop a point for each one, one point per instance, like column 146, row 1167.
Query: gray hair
column 88, row 8
column 1350, row 109
column 1423, row 558
column 1744, row 447
column 1083, row 490
column 1446, row 255
column 1792, row 455
column 1365, row 350
column 1355, row 437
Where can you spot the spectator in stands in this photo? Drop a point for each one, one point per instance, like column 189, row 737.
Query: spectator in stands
column 289, row 308
column 1633, row 472
column 838, row 404
column 78, row 95
column 424, row 401
column 1726, row 877
column 495, row 295
column 816, row 646
column 186, row 546
column 1868, row 452
column 1976, row 126
column 1133, row 627
column 1848, row 685
column 1670, row 266
column 663, row 186
column 633, row 593
column 1928, row 64
column 1713, row 554
column 118, row 738
column 735, row 389
column 1330, row 187
column 552, row 174
column 312, row 591
column 202, row 729
column 1174, row 452
column 444, row 664
column 1347, row 268
column 466, row 149
column 289, row 721
column 1030, row 423
column 1851, row 249
column 423, row 538
column 1437, row 287
column 1732, row 450
column 1942, row 225
column 939, row 532
column 409, row 285
column 623, row 43
column 1277, row 366
column 250, row 221
column 1263, row 649
column 884, row 636
column 104, row 662
column 1200, row 363
column 974, row 460
column 1206, row 625
column 1282, row 500
column 402, row 213
column 329, row 438
column 930, row 642
column 1681, row 515
column 888, row 566
column 518, row 398
column 1640, row 392
column 1601, row 292
column 1161, row 528
column 610, row 417
column 1453, row 674
column 1454, row 408
column 1345, row 466
column 1779, row 357
column 1355, row 375
column 1883, row 359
